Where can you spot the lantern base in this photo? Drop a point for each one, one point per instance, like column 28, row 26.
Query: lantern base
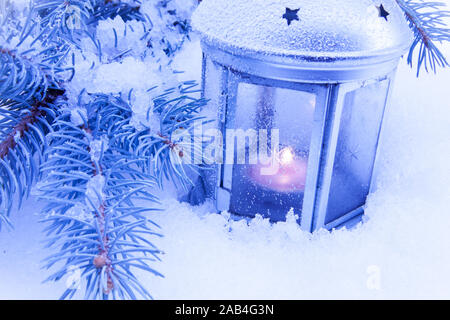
column 349, row 221
column 197, row 196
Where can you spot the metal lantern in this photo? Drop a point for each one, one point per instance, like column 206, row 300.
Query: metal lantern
column 316, row 72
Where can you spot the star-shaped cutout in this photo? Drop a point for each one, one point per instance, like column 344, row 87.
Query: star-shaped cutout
column 383, row 13
column 291, row 15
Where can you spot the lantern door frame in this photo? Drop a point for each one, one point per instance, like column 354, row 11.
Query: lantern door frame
column 332, row 127
column 330, row 99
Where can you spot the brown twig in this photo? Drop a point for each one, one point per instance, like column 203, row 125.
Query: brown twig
column 23, row 125
column 172, row 145
column 417, row 24
column 102, row 259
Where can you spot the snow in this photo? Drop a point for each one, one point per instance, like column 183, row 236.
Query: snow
column 81, row 211
column 184, row 8
column 188, row 61
column 97, row 147
column 117, row 37
column 401, row 251
column 259, row 26
column 78, row 116
column 94, row 191
column 16, row 5
column 126, row 63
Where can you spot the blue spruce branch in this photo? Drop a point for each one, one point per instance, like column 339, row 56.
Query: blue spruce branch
column 23, row 128
column 95, row 174
column 101, row 230
column 167, row 149
column 27, row 96
column 29, row 87
column 92, row 209
column 29, row 79
column 426, row 19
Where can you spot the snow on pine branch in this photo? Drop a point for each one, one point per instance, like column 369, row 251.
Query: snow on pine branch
column 91, row 184
column 95, row 171
column 106, row 134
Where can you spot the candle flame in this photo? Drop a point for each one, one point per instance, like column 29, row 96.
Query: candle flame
column 286, row 156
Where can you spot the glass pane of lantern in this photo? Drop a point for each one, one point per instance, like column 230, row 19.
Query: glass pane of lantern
column 272, row 193
column 356, row 149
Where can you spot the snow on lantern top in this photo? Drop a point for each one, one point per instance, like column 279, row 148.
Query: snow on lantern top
column 312, row 31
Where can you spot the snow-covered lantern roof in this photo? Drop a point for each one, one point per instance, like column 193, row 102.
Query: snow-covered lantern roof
column 315, row 75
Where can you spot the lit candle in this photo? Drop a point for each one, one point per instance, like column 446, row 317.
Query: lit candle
column 289, row 174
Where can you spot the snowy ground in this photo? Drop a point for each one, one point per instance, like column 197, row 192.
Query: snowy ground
column 402, row 251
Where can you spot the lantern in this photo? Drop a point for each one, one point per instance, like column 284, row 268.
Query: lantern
column 308, row 82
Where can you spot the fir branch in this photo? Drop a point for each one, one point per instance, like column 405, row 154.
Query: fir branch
column 168, row 155
column 91, row 191
column 18, row 131
column 95, row 205
column 19, row 76
column 63, row 18
column 98, row 228
column 28, row 91
column 178, row 26
column 23, row 129
column 426, row 19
